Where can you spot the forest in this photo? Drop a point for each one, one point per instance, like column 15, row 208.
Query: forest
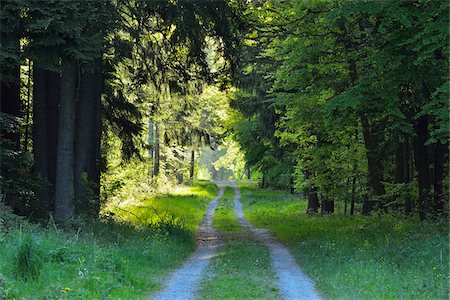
column 117, row 117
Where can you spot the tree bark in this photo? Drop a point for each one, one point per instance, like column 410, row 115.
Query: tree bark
column 53, row 95
column 28, row 108
column 313, row 199
column 10, row 88
column 84, row 139
column 352, row 201
column 409, row 204
column 64, row 189
column 327, row 206
column 374, row 166
column 422, row 166
column 40, row 151
column 156, row 151
column 439, row 173
column 97, row 159
column 192, row 166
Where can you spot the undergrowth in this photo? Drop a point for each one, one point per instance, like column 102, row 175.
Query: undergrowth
column 120, row 256
column 357, row 257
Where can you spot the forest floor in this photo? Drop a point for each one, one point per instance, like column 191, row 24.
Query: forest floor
column 123, row 255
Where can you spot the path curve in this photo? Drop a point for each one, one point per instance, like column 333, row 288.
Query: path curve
column 183, row 283
column 291, row 281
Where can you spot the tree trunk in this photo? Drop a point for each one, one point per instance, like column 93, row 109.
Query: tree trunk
column 28, row 109
column 192, row 166
column 352, row 201
column 10, row 88
column 53, row 95
column 422, row 166
column 374, row 166
column 399, row 162
column 84, row 139
column 407, row 173
column 439, row 158
column 327, row 206
column 40, row 151
column 64, row 189
column 150, row 137
column 313, row 199
column 156, row 159
column 97, row 161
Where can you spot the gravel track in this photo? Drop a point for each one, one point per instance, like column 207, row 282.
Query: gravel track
column 291, row 281
column 183, row 283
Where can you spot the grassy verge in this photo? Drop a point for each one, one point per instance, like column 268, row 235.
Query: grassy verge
column 357, row 257
column 224, row 218
column 241, row 270
column 119, row 257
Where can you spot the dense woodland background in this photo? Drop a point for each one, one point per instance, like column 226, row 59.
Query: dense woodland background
column 345, row 102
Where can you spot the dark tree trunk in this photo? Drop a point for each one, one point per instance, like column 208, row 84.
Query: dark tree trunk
column 406, row 173
column 249, row 173
column 96, row 162
column 313, row 199
column 53, row 95
column 192, row 166
column 64, row 188
column 439, row 158
column 84, row 140
column 156, row 159
column 10, row 89
column 422, row 166
column 327, row 206
column 352, row 201
column 399, row 162
column 40, row 150
column 374, row 166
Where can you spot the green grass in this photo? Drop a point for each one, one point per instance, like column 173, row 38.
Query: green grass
column 120, row 257
column 240, row 271
column 224, row 218
column 358, row 257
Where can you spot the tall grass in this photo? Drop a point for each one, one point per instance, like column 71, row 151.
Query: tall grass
column 27, row 262
column 116, row 257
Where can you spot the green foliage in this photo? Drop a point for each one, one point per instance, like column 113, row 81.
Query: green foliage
column 329, row 87
column 15, row 178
